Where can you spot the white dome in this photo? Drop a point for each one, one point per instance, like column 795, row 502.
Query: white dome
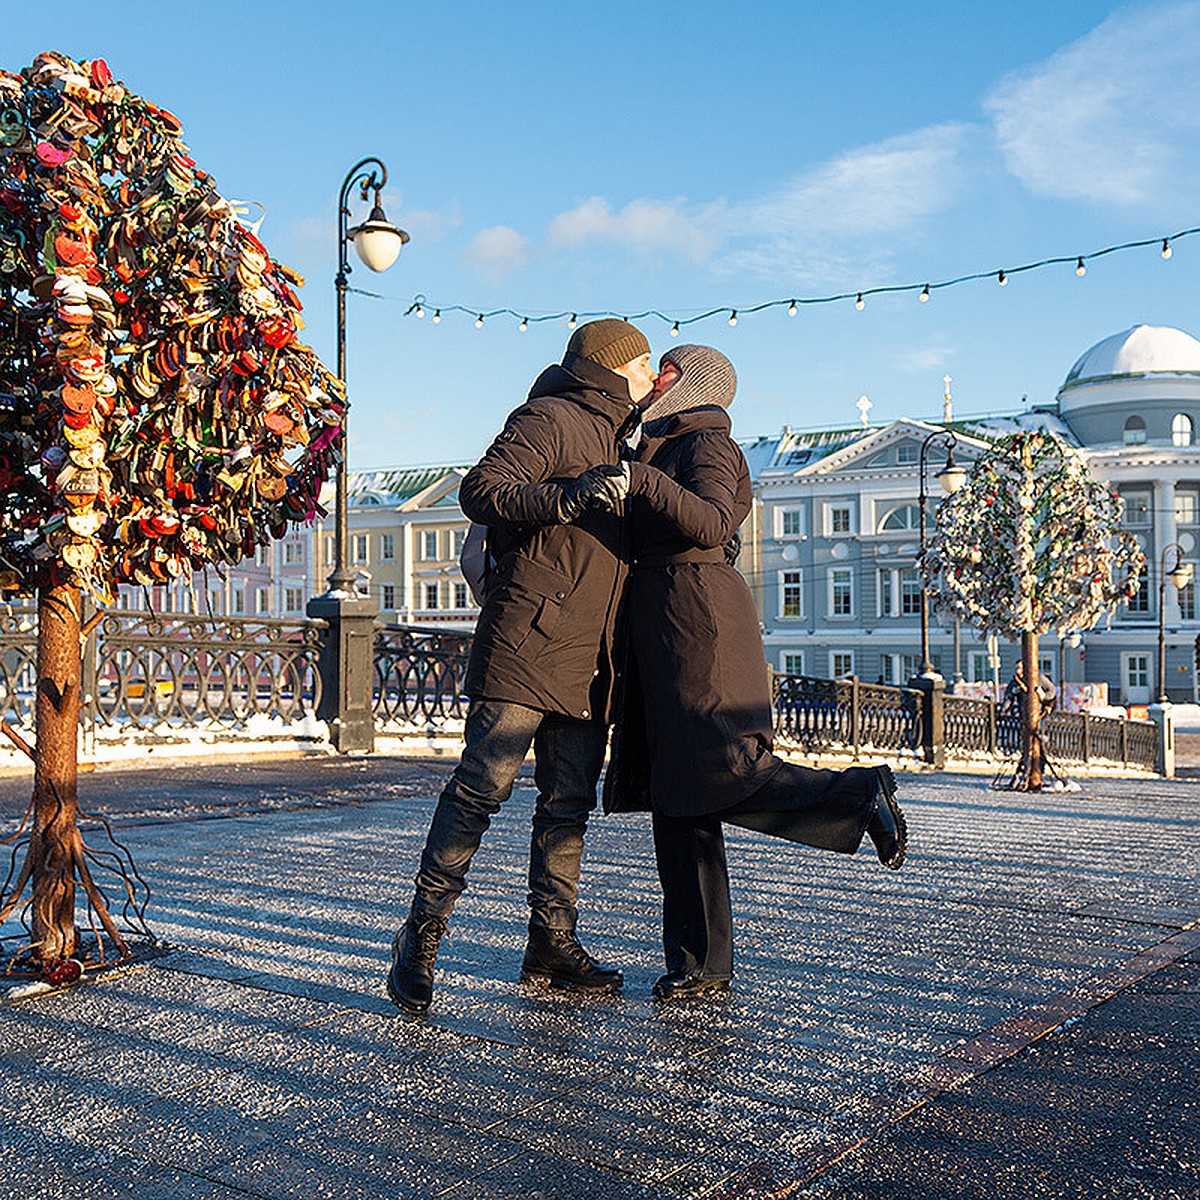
column 1142, row 350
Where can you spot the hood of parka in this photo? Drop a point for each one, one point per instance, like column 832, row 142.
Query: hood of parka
column 588, row 383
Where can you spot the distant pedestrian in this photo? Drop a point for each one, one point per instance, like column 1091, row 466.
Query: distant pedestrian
column 541, row 663
column 693, row 740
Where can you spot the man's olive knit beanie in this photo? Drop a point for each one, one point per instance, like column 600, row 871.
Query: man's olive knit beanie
column 610, row 342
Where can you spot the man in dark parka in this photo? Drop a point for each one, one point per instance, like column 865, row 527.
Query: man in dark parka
column 541, row 666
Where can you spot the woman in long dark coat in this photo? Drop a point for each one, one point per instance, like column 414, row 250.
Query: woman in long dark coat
column 693, row 740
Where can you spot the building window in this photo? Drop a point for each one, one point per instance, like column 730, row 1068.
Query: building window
column 387, row 547
column 978, row 670
column 262, row 601
column 901, row 519
column 791, row 662
column 910, row 592
column 431, row 596
column 1140, row 601
column 292, row 553
column 841, row 664
column 898, row 669
column 1182, row 430
column 389, row 596
column 789, row 522
column 1135, row 431
column 1137, row 508
column 1187, row 507
column 791, row 601
column 262, row 556
column 239, row 601
column 841, row 592
column 459, row 536
column 214, row 602
column 429, row 545
column 1187, row 602
column 1137, row 671
column 461, row 599
column 839, row 520
column 293, row 599
column 330, row 549
column 360, row 547
column 907, row 453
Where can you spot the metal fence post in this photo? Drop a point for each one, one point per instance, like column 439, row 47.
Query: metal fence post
column 347, row 667
column 933, row 725
column 1087, row 737
column 991, row 734
column 1125, row 741
column 855, row 714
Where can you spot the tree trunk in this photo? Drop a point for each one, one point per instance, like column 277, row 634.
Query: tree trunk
column 1031, row 739
column 56, row 846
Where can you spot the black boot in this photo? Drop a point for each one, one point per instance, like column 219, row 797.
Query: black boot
column 555, row 956
column 887, row 827
column 414, row 951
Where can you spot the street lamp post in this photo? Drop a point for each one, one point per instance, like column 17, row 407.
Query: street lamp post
column 347, row 644
column 378, row 243
column 1180, row 576
column 952, row 477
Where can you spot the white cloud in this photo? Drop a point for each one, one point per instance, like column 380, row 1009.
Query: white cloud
column 826, row 220
column 1111, row 117
column 934, row 357
column 497, row 251
column 650, row 226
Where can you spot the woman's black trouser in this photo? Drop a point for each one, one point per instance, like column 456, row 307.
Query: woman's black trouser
column 825, row 809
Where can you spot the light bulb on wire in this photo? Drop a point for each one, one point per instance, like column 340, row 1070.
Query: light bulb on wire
column 524, row 325
column 1080, row 269
column 675, row 329
column 572, row 321
column 1002, row 279
column 437, row 316
column 1166, row 250
column 733, row 316
column 479, row 321
column 792, row 309
column 860, row 303
column 924, row 297
column 420, row 311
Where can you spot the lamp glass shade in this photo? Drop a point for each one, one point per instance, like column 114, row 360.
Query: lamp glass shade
column 378, row 242
column 952, row 477
column 1181, row 576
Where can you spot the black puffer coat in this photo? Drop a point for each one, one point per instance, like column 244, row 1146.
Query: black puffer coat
column 545, row 633
column 695, row 729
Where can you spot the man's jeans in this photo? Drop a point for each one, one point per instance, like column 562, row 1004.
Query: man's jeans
column 569, row 756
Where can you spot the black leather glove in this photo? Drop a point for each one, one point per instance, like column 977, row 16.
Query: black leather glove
column 733, row 549
column 601, row 486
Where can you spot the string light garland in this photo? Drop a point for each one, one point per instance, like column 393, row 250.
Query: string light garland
column 922, row 290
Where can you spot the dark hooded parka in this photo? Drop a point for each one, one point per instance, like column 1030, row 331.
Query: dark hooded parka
column 696, row 726
column 545, row 633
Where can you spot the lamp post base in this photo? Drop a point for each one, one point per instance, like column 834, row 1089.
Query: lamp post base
column 347, row 668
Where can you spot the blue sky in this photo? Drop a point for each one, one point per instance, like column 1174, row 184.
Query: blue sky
column 686, row 156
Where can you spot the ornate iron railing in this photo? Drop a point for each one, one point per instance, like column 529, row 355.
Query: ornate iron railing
column 978, row 728
column 813, row 715
column 18, row 665
column 419, row 675
column 169, row 670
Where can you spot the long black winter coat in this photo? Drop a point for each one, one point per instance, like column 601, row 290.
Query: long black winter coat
column 694, row 733
column 545, row 633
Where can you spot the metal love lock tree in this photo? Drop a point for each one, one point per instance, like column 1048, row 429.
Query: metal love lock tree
column 1032, row 543
column 157, row 410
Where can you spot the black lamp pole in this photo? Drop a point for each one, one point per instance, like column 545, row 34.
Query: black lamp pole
column 342, row 579
column 1179, row 571
column 950, row 441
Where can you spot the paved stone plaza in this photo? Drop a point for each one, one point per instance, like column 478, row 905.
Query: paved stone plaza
column 260, row 1057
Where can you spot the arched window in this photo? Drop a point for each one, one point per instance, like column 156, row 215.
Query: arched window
column 900, row 519
column 1135, row 431
column 1182, row 430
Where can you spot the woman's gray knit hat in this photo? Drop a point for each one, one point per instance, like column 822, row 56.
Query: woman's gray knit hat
column 706, row 376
